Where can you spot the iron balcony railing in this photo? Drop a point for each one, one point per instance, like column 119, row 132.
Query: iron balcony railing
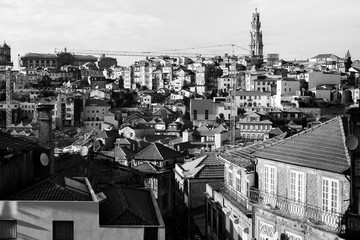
column 240, row 199
column 316, row 216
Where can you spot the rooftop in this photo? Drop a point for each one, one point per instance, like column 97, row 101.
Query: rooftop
column 156, row 152
column 320, row 147
column 55, row 188
column 241, row 155
column 127, row 206
column 206, row 166
column 12, row 145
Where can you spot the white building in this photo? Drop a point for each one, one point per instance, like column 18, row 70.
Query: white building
column 320, row 78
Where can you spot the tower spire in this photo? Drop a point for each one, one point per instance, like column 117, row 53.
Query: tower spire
column 256, row 43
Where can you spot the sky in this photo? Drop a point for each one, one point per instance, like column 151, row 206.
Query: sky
column 296, row 29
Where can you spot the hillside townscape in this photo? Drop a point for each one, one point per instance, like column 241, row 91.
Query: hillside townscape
column 179, row 145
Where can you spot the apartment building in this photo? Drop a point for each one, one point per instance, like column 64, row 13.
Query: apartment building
column 128, row 77
column 254, row 127
column 286, row 90
column 302, row 188
column 49, row 60
column 252, row 99
column 316, row 78
column 190, row 184
column 228, row 211
column 94, row 112
column 328, row 60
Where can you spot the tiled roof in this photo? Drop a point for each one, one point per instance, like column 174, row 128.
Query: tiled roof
column 328, row 55
column 169, row 111
column 9, row 144
column 97, row 103
column 122, row 153
column 40, row 55
column 320, row 147
column 252, row 93
column 125, row 206
column 157, row 151
column 106, row 134
column 292, row 110
column 216, row 171
column 51, row 189
column 146, row 167
column 241, row 155
column 206, row 131
column 206, row 166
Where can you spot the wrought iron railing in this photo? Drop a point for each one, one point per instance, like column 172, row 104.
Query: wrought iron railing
column 240, row 199
column 312, row 214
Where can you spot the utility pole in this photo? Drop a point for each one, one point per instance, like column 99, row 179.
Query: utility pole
column 233, row 111
column 8, row 98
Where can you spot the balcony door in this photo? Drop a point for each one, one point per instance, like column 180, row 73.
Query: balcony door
column 269, row 196
column 297, row 193
column 330, row 200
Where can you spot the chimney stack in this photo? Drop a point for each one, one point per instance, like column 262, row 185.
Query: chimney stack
column 45, row 140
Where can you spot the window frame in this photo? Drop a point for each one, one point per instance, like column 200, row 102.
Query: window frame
column 329, row 205
column 270, row 186
column 295, row 194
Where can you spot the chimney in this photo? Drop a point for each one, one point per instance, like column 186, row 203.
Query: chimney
column 45, row 140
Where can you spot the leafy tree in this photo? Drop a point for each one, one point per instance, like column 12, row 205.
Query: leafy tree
column 45, row 81
column 220, row 119
column 347, row 97
column 240, row 111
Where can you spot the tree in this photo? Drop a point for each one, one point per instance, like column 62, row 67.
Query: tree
column 45, row 81
column 220, row 119
column 240, row 111
column 347, row 97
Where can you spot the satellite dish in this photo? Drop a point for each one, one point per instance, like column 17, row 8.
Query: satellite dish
column 84, row 151
column 44, row 159
column 351, row 142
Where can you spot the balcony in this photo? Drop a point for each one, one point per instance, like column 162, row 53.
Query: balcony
column 315, row 216
column 238, row 199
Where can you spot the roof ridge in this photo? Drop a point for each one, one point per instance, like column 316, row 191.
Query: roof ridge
column 157, row 149
column 344, row 140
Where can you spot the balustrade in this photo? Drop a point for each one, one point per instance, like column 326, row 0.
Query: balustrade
column 314, row 215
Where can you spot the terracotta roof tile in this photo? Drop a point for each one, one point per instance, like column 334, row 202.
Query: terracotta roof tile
column 320, row 147
column 50, row 189
column 10, row 144
column 126, row 206
column 157, row 151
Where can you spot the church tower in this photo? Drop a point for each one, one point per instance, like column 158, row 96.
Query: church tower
column 5, row 55
column 256, row 44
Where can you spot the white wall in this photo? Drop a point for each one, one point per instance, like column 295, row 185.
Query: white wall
column 34, row 220
column 319, row 78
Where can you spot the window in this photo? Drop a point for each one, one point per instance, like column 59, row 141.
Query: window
column 269, row 179
column 238, row 181
column 330, row 194
column 297, row 183
column 206, row 114
column 195, row 114
column 8, row 229
column 230, row 178
column 63, row 230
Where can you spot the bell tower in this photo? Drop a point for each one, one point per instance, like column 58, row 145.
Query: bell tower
column 256, row 43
